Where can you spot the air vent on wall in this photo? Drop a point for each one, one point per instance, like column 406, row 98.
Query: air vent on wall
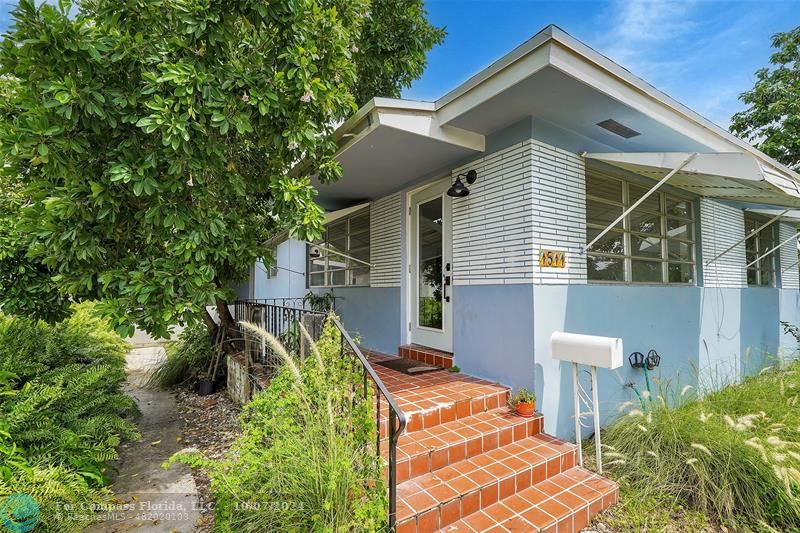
column 615, row 127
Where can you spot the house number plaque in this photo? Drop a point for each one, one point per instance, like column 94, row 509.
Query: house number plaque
column 552, row 259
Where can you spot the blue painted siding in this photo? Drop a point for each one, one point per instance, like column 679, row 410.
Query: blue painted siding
column 371, row 313
column 290, row 279
column 493, row 332
column 790, row 312
column 664, row 318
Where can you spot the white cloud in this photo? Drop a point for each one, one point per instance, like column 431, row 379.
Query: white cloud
column 639, row 32
column 686, row 48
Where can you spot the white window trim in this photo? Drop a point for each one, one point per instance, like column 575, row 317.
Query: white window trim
column 346, row 254
column 628, row 257
column 755, row 242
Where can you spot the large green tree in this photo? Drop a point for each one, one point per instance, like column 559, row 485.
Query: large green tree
column 148, row 145
column 772, row 120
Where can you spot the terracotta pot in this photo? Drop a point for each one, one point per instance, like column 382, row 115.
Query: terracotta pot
column 526, row 409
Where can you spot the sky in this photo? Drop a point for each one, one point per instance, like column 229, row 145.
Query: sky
column 703, row 53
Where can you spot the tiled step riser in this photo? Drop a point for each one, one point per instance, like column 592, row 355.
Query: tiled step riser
column 523, row 516
column 475, row 498
column 435, row 459
column 565, row 504
column 417, row 421
column 424, row 355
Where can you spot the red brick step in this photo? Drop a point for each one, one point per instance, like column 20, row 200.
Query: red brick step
column 428, row 450
column 566, row 503
column 454, row 492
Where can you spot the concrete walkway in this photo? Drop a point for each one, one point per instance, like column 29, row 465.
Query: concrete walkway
column 159, row 501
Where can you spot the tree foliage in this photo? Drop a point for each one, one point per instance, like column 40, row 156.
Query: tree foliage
column 772, row 120
column 150, row 144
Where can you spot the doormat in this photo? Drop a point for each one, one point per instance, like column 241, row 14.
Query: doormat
column 408, row 366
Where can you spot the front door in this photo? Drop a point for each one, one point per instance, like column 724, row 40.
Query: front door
column 431, row 268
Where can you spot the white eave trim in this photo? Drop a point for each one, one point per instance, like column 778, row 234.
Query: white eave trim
column 571, row 56
column 413, row 119
column 332, row 216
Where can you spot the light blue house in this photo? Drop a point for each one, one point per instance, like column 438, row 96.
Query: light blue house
column 562, row 142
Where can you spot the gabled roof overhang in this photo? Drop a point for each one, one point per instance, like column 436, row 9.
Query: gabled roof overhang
column 390, row 144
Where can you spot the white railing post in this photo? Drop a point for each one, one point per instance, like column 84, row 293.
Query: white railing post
column 596, row 412
column 593, row 351
column 577, row 411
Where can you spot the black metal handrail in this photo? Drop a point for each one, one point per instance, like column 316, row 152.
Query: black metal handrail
column 278, row 319
column 396, row 417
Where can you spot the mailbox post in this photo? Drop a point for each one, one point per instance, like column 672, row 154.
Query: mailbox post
column 593, row 351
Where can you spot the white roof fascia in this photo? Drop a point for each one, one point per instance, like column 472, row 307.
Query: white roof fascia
column 587, row 65
column 484, row 86
column 427, row 125
column 417, row 121
column 517, row 53
column 340, row 213
column 386, row 103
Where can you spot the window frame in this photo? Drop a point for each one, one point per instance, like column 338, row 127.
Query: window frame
column 351, row 266
column 755, row 245
column 664, row 217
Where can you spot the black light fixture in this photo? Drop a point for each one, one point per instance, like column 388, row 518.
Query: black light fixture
column 458, row 189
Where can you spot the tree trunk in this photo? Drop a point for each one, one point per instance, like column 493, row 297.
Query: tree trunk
column 228, row 323
column 211, row 325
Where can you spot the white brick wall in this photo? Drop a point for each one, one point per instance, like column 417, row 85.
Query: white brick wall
column 720, row 227
column 790, row 278
column 493, row 226
column 528, row 197
column 384, row 235
column 559, row 212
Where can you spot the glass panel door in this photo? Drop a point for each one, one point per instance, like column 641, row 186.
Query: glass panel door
column 430, row 296
column 430, row 273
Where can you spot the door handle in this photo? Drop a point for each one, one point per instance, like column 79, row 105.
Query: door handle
column 446, row 284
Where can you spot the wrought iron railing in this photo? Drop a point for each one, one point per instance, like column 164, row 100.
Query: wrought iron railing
column 281, row 321
column 278, row 317
column 396, row 419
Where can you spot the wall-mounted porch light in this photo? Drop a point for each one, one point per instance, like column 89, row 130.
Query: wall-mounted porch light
column 458, row 189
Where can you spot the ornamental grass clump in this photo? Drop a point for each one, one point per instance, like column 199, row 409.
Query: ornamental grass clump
column 306, row 459
column 732, row 455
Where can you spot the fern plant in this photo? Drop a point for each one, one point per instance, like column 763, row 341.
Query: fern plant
column 62, row 412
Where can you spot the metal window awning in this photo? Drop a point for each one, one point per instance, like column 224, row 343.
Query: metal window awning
column 734, row 176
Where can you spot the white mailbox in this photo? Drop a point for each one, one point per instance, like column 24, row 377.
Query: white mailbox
column 592, row 351
column 602, row 352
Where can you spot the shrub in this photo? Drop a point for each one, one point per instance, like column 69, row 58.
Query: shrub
column 733, row 455
column 187, row 358
column 62, row 412
column 29, row 348
column 306, row 460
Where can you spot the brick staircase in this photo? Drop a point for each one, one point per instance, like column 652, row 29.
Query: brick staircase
column 466, row 462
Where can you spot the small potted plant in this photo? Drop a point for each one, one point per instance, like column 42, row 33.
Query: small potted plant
column 524, row 401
